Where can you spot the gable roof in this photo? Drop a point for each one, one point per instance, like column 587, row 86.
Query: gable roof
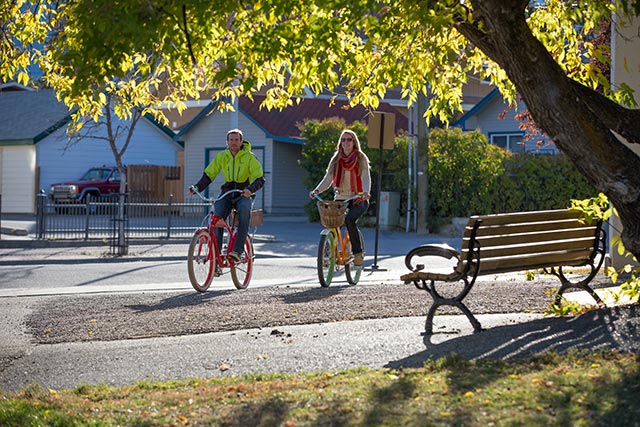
column 281, row 125
column 27, row 117
column 461, row 122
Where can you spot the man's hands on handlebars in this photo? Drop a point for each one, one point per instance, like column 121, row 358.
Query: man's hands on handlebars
column 194, row 190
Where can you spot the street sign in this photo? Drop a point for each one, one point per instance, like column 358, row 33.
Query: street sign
column 381, row 124
column 381, row 135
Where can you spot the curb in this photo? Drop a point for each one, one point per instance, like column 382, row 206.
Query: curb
column 36, row 244
column 13, row 231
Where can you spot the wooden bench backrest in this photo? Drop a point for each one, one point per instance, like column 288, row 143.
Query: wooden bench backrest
column 530, row 240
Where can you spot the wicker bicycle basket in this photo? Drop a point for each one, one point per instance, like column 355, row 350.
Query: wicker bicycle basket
column 332, row 213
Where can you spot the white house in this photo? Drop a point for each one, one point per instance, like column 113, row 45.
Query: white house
column 35, row 150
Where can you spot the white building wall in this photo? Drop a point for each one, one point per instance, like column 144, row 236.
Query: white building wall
column 625, row 66
column 60, row 162
column 17, row 178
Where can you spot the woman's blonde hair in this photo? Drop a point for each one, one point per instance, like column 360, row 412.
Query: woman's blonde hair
column 356, row 147
column 356, row 141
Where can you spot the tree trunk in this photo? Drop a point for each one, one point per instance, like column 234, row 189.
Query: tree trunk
column 123, row 247
column 577, row 119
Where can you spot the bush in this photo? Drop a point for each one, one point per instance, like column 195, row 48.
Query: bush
column 462, row 170
column 468, row 176
column 535, row 182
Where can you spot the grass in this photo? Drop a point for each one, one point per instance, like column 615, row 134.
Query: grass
column 574, row 389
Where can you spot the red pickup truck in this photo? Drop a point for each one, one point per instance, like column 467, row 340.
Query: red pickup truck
column 98, row 181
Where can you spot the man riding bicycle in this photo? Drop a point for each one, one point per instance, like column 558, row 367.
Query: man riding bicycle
column 241, row 170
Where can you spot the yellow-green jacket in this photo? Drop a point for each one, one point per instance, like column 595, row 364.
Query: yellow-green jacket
column 239, row 172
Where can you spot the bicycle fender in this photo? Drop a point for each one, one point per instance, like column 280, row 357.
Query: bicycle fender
column 325, row 232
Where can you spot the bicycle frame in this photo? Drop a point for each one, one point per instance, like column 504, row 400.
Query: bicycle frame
column 334, row 252
column 213, row 222
column 342, row 239
column 206, row 256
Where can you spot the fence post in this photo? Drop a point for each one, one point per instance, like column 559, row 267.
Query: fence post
column 87, row 212
column 169, row 216
column 40, row 215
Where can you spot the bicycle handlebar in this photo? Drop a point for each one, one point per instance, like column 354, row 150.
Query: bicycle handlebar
column 215, row 199
column 355, row 196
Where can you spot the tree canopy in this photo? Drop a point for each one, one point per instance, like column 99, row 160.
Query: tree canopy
column 158, row 52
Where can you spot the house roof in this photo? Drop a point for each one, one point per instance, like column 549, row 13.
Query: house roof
column 461, row 122
column 282, row 125
column 28, row 116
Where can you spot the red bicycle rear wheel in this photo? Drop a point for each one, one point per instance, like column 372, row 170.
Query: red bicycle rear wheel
column 201, row 262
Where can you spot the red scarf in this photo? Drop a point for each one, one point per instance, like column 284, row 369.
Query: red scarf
column 348, row 163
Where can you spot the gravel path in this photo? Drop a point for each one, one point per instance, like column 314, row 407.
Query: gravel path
column 79, row 318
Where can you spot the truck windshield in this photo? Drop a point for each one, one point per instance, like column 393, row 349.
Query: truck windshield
column 96, row 175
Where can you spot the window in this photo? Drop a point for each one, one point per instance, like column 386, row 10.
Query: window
column 511, row 142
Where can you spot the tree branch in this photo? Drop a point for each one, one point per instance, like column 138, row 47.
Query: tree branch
column 186, row 33
column 624, row 121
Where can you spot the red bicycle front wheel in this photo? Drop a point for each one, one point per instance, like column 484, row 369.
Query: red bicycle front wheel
column 201, row 262
column 242, row 270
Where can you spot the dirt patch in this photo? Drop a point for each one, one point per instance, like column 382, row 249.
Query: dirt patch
column 128, row 316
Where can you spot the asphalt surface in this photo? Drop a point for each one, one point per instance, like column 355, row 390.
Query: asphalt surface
column 392, row 342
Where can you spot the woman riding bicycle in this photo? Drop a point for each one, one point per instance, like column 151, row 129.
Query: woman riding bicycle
column 241, row 170
column 348, row 172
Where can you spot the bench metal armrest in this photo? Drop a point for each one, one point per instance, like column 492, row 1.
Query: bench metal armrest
column 442, row 250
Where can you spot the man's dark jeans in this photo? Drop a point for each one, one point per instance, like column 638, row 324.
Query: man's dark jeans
column 243, row 206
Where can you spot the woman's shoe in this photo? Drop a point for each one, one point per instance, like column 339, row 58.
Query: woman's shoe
column 358, row 259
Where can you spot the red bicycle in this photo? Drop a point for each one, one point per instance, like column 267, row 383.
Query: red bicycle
column 205, row 261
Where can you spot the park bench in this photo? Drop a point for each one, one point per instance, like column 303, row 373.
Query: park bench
column 512, row 242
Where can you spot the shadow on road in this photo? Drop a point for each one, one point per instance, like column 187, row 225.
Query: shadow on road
column 191, row 299
column 614, row 328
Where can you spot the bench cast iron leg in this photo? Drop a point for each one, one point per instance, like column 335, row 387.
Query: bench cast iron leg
column 438, row 300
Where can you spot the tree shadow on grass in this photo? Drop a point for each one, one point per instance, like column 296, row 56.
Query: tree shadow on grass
column 614, row 328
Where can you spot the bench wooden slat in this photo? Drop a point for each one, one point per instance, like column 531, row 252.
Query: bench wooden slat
column 526, row 238
column 521, row 217
column 529, row 227
column 533, row 261
column 586, row 243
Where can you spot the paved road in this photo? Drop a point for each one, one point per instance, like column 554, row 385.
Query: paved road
column 391, row 342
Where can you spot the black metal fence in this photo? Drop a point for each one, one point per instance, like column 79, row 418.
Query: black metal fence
column 98, row 218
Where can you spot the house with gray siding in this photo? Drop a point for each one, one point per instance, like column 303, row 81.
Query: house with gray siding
column 275, row 139
column 35, row 150
column 493, row 117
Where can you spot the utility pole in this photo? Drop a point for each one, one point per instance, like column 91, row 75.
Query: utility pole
column 422, row 168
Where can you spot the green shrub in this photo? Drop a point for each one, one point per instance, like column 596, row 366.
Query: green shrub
column 468, row 176
column 462, row 170
column 537, row 182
